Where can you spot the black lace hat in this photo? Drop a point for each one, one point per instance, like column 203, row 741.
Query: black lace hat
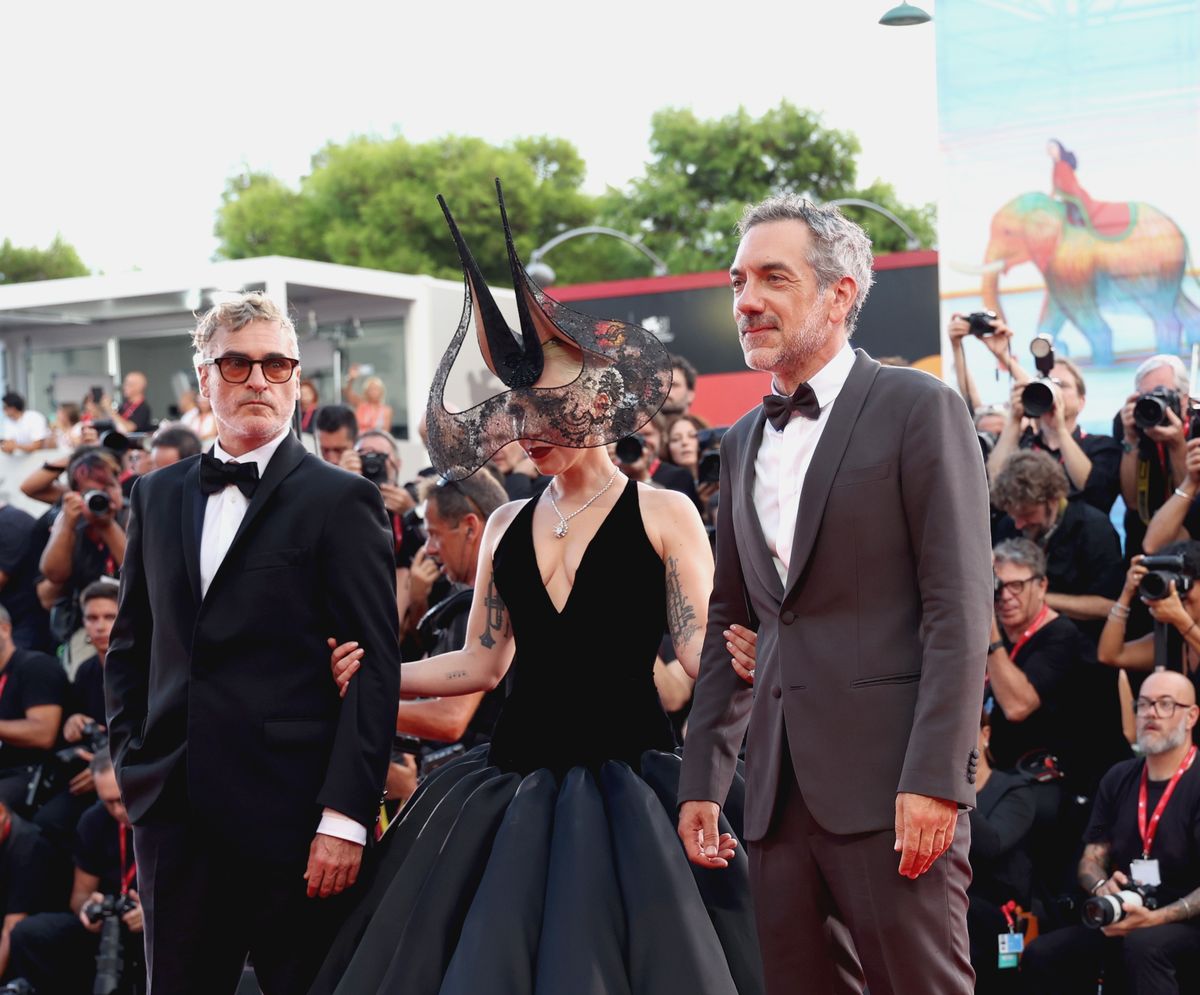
column 623, row 378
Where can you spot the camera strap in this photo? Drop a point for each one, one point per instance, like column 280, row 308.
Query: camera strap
column 127, row 874
column 1148, row 831
column 1145, row 512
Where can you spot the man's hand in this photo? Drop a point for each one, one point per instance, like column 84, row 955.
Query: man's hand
column 1016, row 409
column 332, row 865
column 396, row 499
column 743, row 647
column 344, row 661
column 924, row 831
column 1172, row 435
column 94, row 899
column 1193, row 462
column 421, row 576
column 958, row 329
column 73, row 727
column 8, row 446
column 401, row 778
column 1112, row 884
column 1170, row 610
column 1136, row 917
column 72, row 508
column 704, row 846
column 82, row 783
column 351, row 461
column 1127, row 422
column 88, row 436
column 133, row 918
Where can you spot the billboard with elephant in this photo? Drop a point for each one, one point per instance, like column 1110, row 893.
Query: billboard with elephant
column 1070, row 141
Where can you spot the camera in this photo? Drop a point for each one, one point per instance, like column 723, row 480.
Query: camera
column 1150, row 409
column 18, row 986
column 630, row 448
column 52, row 776
column 981, row 323
column 97, row 502
column 1104, row 910
column 1156, row 585
column 112, row 440
column 374, row 467
column 708, row 469
column 1038, row 396
column 110, row 958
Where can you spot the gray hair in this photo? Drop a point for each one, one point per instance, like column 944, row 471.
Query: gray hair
column 378, row 433
column 1182, row 379
column 838, row 246
column 235, row 314
column 1022, row 553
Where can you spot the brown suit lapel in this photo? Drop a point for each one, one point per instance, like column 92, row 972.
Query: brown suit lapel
column 825, row 463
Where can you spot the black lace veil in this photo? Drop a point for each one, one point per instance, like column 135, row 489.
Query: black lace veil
column 622, row 364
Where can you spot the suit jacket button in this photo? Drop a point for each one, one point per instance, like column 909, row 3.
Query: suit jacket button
column 788, row 617
column 974, row 753
column 970, row 777
column 776, row 692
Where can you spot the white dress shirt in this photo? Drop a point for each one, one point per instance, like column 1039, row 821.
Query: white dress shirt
column 783, row 459
column 223, row 516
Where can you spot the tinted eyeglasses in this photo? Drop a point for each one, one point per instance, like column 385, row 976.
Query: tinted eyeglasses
column 237, row 369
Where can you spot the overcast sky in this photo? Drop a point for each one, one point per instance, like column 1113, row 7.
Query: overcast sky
column 122, row 121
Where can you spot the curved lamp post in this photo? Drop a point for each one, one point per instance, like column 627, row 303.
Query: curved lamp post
column 544, row 275
column 910, row 235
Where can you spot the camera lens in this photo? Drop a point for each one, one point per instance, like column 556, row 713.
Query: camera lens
column 97, row 502
column 1101, row 910
column 1037, row 398
column 630, row 449
column 1149, row 411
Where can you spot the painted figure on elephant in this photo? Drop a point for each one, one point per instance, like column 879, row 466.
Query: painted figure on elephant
column 1087, row 273
column 1105, row 218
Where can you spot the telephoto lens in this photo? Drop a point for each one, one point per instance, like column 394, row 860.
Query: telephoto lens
column 1037, row 398
column 630, row 449
column 1104, row 910
column 97, row 502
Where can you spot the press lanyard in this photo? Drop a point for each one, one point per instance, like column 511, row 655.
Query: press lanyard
column 1147, row 832
column 3, row 683
column 127, row 875
column 1028, row 633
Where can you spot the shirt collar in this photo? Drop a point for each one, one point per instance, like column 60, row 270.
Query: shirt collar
column 829, row 380
column 262, row 455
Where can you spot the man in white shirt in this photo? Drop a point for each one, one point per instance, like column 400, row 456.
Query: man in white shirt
column 251, row 785
column 23, row 431
column 853, row 536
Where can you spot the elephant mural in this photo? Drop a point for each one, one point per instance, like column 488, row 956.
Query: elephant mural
column 1087, row 274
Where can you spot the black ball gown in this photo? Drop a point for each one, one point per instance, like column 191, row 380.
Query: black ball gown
column 551, row 864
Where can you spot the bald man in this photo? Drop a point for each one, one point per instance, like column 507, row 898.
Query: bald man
column 134, row 413
column 1151, row 948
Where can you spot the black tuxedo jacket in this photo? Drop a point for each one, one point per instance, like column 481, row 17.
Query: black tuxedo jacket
column 871, row 656
column 224, row 709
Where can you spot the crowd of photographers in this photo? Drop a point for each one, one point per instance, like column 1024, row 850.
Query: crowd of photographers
column 1086, row 839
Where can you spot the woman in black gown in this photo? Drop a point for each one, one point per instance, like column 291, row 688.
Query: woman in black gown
column 548, row 862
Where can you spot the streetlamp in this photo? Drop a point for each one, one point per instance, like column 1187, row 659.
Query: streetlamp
column 544, row 275
column 911, row 237
column 903, row 15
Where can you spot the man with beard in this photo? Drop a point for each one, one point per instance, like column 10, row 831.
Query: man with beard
column 852, row 536
column 1083, row 552
column 1145, row 830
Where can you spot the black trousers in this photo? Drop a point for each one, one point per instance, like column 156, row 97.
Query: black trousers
column 54, row 952
column 1145, row 962
column 833, row 911
column 207, row 908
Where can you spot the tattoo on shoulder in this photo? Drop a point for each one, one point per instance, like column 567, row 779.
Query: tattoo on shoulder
column 497, row 617
column 681, row 616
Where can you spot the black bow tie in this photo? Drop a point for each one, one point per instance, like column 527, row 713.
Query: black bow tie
column 216, row 476
column 780, row 409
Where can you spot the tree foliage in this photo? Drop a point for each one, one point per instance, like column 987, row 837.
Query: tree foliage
column 370, row 201
column 22, row 264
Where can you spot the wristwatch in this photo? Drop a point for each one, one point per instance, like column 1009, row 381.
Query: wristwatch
column 1127, row 446
column 997, row 645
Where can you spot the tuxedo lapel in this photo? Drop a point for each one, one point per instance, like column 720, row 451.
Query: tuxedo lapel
column 758, row 553
column 825, row 462
column 191, row 520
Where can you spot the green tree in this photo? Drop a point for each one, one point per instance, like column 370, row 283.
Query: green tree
column 370, row 202
column 702, row 173
column 21, row 264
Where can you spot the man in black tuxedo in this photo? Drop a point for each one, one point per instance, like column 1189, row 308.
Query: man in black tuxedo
column 853, row 536
column 244, row 774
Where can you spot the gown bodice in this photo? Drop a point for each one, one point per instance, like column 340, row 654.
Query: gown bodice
column 582, row 681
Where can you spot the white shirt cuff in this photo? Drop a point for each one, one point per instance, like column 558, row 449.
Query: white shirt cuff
column 342, row 827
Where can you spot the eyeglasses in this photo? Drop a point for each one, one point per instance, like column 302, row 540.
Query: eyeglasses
column 447, row 482
column 237, row 369
column 1013, row 587
column 1163, row 708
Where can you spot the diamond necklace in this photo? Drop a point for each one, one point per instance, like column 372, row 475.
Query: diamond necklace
column 561, row 529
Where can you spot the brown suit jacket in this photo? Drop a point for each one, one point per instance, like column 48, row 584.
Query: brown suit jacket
column 872, row 655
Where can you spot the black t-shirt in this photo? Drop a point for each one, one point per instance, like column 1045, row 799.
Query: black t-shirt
column 1079, row 718
column 87, row 690
column 1083, row 556
column 32, row 679
column 1177, row 841
column 21, row 545
column 98, row 848
column 1103, row 484
column 31, row 875
column 140, row 416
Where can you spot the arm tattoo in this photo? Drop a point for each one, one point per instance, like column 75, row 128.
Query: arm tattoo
column 1186, row 908
column 453, row 675
column 1093, row 865
column 497, row 617
column 681, row 616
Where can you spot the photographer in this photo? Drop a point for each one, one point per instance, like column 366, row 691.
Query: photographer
column 649, row 466
column 57, row 951
column 337, row 431
column 1154, row 461
column 1180, row 609
column 33, row 691
column 170, row 445
column 1144, row 836
column 995, row 335
column 685, row 447
column 1083, row 553
column 134, row 413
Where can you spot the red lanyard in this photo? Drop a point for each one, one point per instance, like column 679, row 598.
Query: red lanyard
column 127, row 876
column 1147, row 832
column 128, row 408
column 1025, row 636
column 3, row 683
column 652, row 469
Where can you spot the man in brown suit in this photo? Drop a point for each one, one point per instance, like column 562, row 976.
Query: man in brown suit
column 853, row 536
